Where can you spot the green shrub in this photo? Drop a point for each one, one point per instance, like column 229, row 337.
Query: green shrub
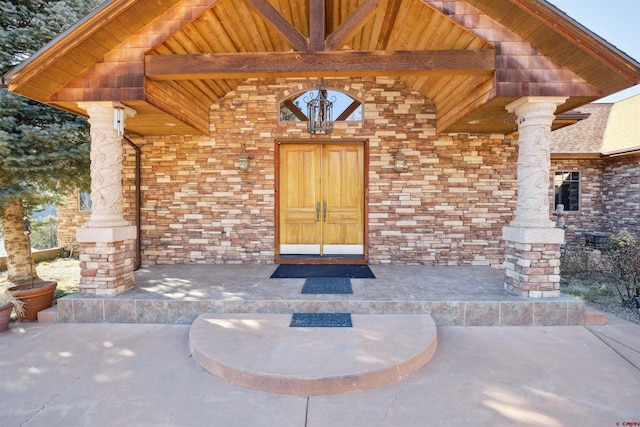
column 579, row 262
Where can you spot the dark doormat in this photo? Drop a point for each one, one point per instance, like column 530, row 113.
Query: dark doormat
column 327, row 285
column 301, row 271
column 321, row 320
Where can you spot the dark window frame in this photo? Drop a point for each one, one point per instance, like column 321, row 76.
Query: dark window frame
column 567, row 189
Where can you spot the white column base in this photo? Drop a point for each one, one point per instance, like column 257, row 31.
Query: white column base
column 105, row 234
column 533, row 235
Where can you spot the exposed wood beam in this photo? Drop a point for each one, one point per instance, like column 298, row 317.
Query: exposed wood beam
column 352, row 24
column 317, row 17
column 309, row 64
column 295, row 110
column 280, row 24
column 347, row 112
column 393, row 7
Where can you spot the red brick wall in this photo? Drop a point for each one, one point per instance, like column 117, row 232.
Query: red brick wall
column 447, row 208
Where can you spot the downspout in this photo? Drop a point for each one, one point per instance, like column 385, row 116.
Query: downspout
column 138, row 261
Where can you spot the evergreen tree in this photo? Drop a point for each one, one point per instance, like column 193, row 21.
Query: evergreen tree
column 44, row 152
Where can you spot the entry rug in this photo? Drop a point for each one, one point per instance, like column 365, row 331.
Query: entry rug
column 327, row 285
column 321, row 320
column 302, row 271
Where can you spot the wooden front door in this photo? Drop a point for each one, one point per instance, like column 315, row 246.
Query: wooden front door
column 321, row 199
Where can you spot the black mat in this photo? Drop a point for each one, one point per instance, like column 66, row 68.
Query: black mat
column 301, row 271
column 321, row 320
column 327, row 285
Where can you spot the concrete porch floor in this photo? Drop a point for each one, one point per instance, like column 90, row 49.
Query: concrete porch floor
column 452, row 295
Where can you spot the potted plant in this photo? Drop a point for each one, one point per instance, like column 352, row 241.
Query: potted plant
column 8, row 302
column 35, row 295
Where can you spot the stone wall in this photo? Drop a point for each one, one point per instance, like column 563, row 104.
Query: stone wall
column 69, row 218
column 446, row 208
column 590, row 216
column 609, row 195
column 621, row 188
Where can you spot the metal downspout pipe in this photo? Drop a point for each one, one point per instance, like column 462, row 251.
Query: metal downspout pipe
column 138, row 260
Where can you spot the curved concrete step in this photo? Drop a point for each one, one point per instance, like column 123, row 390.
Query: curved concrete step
column 261, row 351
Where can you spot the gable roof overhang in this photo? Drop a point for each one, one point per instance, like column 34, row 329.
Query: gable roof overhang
column 171, row 59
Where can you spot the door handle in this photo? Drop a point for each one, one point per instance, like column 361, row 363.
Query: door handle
column 317, row 211
column 324, row 211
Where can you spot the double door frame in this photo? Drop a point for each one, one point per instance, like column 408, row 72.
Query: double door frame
column 365, row 205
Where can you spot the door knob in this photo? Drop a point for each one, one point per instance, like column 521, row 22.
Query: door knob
column 317, row 211
column 324, row 211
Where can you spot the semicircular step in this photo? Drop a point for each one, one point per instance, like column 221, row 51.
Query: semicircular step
column 261, row 351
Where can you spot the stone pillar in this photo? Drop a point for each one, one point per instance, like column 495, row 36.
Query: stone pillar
column 107, row 242
column 532, row 253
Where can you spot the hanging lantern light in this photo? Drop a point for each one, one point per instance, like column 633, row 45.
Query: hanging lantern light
column 319, row 111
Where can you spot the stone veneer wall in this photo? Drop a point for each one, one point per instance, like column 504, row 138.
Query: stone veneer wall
column 609, row 195
column 69, row 219
column 448, row 207
column 590, row 216
column 621, row 188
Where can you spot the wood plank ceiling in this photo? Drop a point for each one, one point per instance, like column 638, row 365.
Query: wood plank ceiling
column 171, row 59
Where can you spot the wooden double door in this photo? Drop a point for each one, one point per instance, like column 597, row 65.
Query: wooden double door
column 321, row 199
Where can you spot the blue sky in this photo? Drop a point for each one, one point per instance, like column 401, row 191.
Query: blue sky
column 616, row 21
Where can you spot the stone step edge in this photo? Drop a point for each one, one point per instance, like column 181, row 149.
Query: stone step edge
column 251, row 375
column 594, row 317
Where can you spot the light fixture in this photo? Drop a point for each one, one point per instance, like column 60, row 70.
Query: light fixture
column 118, row 119
column 319, row 110
column 244, row 158
column 120, row 113
column 398, row 160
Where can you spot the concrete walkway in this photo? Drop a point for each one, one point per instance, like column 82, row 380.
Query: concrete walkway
column 143, row 375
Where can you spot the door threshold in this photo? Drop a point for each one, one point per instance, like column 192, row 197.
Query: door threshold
column 306, row 259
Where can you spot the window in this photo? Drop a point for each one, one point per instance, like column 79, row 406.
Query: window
column 567, row 190
column 84, row 201
column 346, row 108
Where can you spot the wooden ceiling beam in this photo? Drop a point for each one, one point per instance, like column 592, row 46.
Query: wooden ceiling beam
column 319, row 64
column 393, row 7
column 280, row 24
column 358, row 19
column 317, row 23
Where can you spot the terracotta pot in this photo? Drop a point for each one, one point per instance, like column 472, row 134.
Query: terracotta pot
column 36, row 296
column 5, row 317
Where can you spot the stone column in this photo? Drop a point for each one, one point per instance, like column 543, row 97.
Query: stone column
column 532, row 253
column 106, row 241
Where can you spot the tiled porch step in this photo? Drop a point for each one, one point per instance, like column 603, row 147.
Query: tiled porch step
column 565, row 312
column 261, row 351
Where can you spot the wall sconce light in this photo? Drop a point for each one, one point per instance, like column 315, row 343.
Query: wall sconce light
column 398, row 160
column 244, row 158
